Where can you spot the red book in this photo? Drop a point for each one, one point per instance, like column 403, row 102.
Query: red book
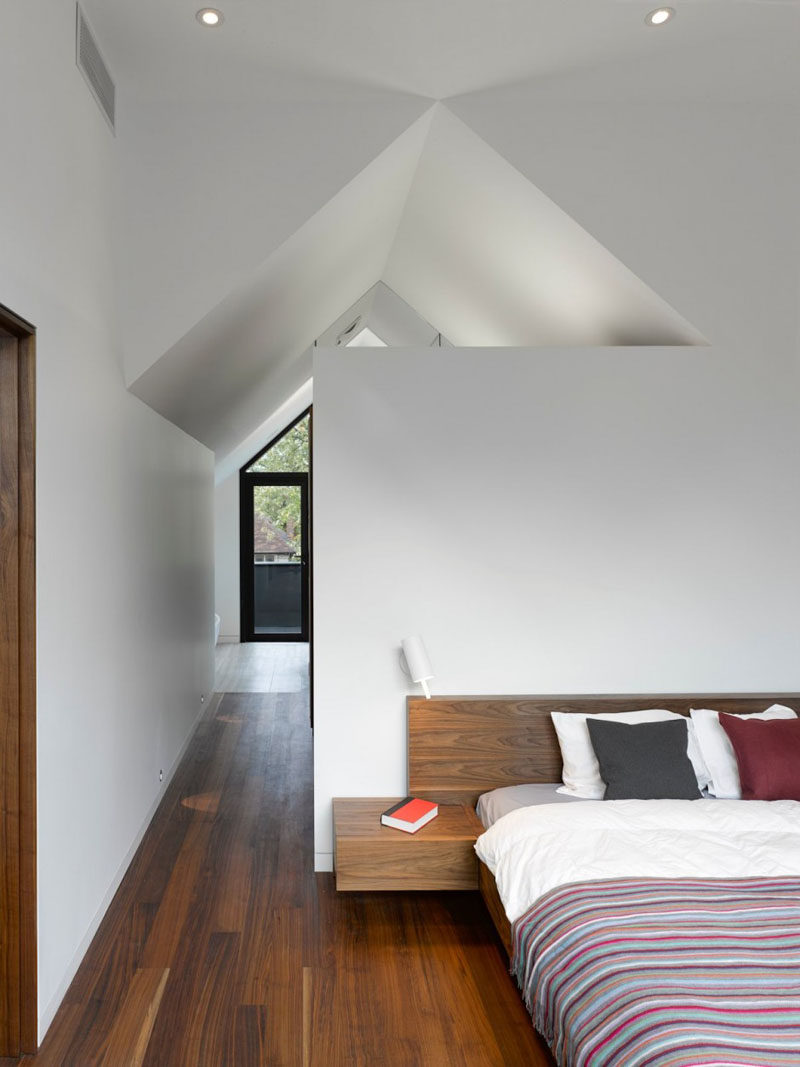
column 410, row 814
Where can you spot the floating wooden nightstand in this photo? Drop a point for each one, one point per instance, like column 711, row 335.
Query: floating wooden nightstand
column 368, row 855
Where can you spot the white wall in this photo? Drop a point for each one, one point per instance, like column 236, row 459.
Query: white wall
column 226, row 557
column 556, row 520
column 226, row 508
column 124, row 504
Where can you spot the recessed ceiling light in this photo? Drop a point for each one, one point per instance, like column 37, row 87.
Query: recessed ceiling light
column 659, row 16
column 209, row 16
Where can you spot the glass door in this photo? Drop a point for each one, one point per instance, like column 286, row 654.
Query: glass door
column 274, row 556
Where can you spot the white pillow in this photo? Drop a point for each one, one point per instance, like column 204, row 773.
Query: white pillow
column 717, row 750
column 581, row 774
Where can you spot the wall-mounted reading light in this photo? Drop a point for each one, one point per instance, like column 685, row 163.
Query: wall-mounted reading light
column 415, row 663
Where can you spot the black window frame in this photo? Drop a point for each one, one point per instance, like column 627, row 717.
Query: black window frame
column 247, row 481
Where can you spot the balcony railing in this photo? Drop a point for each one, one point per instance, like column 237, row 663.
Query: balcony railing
column 277, row 597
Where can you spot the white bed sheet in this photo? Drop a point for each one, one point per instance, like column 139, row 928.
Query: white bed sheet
column 499, row 802
column 534, row 849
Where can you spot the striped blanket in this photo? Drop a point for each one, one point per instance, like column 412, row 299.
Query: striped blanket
column 645, row 972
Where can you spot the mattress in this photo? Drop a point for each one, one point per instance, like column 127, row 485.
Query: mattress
column 534, row 849
column 658, row 932
column 499, row 802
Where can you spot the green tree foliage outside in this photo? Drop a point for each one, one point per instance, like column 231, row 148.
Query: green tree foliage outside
column 289, row 455
column 281, row 503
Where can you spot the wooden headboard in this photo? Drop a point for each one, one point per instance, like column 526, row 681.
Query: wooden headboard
column 460, row 747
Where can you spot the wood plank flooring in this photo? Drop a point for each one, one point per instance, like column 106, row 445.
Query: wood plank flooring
column 262, row 667
column 222, row 948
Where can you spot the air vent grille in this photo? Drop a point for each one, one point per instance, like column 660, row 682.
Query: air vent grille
column 94, row 69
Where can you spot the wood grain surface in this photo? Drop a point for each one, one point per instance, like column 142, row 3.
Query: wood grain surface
column 440, row 855
column 224, row 939
column 460, row 747
column 130, row 1033
column 9, row 700
column 360, row 818
column 27, row 690
column 18, row 949
column 494, row 906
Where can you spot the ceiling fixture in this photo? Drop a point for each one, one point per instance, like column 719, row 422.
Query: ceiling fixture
column 347, row 331
column 659, row 16
column 209, row 16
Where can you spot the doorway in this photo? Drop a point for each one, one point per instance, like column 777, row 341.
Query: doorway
column 18, row 951
column 275, row 538
column 274, row 551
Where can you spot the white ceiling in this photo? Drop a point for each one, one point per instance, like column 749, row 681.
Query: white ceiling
column 250, row 221
column 493, row 262
column 456, row 232
column 718, row 49
column 250, row 353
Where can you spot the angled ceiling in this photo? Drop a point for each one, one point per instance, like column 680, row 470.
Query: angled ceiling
column 252, row 350
column 208, row 193
column 273, row 170
column 288, row 50
column 459, row 234
column 492, row 261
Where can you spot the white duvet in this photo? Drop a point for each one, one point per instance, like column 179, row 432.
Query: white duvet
column 532, row 850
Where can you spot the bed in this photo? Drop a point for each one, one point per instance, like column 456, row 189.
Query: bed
column 659, row 933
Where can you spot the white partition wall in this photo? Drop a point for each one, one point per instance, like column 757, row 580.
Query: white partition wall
column 575, row 520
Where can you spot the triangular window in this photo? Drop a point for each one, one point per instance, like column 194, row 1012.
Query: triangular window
column 288, row 454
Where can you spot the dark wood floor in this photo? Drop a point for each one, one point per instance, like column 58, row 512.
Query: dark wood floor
column 222, row 948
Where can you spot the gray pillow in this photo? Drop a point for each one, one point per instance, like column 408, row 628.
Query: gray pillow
column 643, row 761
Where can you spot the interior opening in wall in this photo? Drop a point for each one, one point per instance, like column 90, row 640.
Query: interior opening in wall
column 381, row 319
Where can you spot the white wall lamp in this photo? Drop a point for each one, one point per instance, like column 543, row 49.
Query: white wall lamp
column 415, row 663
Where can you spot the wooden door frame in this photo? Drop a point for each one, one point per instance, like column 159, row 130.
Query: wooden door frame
column 18, row 952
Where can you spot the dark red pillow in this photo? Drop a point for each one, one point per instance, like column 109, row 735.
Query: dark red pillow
column 768, row 754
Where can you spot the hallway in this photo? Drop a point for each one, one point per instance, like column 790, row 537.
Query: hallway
column 262, row 667
column 222, row 948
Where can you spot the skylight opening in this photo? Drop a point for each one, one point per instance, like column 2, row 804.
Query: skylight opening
column 366, row 339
